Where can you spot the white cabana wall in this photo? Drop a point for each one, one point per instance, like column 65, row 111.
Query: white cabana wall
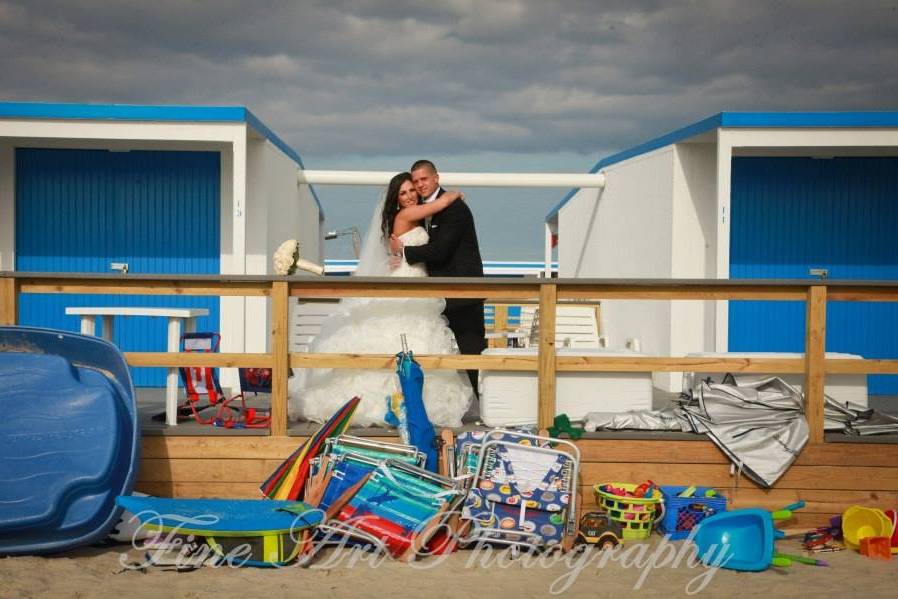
column 280, row 210
column 593, row 242
column 693, row 248
column 664, row 213
column 260, row 201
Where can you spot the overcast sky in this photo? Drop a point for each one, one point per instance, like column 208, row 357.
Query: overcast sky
column 477, row 85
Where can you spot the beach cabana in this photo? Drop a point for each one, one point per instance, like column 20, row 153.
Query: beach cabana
column 191, row 190
column 743, row 196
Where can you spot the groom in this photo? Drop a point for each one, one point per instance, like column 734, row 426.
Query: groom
column 451, row 252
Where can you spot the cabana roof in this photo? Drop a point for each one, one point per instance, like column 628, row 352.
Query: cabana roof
column 744, row 120
column 157, row 113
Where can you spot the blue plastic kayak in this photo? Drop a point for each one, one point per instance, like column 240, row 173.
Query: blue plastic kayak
column 69, row 439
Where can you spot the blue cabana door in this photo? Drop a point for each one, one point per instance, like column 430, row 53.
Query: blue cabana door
column 792, row 215
column 79, row 211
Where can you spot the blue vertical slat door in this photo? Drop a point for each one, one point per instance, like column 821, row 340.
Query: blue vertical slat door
column 81, row 210
column 790, row 215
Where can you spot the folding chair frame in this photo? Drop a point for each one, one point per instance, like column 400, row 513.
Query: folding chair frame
column 524, row 538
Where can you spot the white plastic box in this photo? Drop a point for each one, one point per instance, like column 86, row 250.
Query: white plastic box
column 841, row 387
column 510, row 398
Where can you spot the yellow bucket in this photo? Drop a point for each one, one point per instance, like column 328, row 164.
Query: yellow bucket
column 862, row 522
column 636, row 515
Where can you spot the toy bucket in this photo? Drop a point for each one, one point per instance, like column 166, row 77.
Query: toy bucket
column 861, row 522
column 636, row 515
column 682, row 514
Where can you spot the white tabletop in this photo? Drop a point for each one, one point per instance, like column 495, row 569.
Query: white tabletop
column 132, row 311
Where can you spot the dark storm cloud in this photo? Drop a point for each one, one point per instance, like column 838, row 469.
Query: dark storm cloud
column 358, row 77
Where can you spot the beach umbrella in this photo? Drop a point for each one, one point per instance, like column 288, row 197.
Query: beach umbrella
column 855, row 419
column 288, row 479
column 420, row 430
column 759, row 424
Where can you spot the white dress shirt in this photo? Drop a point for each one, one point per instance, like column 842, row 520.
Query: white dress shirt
column 428, row 200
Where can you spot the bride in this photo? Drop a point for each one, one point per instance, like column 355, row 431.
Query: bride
column 373, row 325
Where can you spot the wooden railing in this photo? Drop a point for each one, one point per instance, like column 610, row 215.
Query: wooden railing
column 546, row 363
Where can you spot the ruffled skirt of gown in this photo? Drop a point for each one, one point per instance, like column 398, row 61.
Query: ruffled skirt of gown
column 373, row 325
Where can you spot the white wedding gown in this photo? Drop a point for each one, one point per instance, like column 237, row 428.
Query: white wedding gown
column 373, row 325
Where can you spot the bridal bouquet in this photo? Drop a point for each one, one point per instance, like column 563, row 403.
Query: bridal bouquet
column 287, row 260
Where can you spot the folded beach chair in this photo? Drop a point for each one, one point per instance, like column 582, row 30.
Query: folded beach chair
column 523, row 492
column 255, row 381
column 378, row 450
column 346, row 460
column 389, row 504
column 202, row 381
column 401, row 505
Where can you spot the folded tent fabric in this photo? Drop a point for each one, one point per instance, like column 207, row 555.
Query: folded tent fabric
column 877, row 423
column 761, row 427
column 758, row 423
column 853, row 419
column 666, row 419
column 289, row 478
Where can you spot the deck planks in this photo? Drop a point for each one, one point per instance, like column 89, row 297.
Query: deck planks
column 829, row 477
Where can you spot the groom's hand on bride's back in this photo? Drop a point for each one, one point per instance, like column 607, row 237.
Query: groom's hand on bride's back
column 395, row 252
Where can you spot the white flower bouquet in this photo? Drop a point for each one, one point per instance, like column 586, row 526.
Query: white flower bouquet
column 287, row 261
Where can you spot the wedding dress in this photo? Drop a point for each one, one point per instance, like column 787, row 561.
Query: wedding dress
column 374, row 325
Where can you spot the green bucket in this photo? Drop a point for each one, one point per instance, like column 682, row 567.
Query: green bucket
column 636, row 515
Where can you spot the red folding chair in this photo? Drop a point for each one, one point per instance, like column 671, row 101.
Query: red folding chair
column 200, row 381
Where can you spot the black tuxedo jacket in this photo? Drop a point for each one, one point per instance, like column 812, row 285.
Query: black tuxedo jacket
column 453, row 250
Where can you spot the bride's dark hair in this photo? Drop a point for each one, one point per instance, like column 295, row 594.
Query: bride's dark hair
column 391, row 203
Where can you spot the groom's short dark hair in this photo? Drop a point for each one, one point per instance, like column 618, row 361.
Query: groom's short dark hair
column 423, row 164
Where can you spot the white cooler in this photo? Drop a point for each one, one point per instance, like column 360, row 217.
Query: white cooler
column 841, row 387
column 510, row 398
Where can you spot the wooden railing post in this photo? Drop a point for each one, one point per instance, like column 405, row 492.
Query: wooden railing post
column 9, row 303
column 280, row 350
column 548, row 298
column 501, row 318
column 815, row 360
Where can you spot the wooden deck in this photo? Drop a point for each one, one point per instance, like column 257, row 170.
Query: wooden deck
column 828, row 475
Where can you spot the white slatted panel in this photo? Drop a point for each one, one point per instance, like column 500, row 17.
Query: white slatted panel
column 305, row 322
column 575, row 326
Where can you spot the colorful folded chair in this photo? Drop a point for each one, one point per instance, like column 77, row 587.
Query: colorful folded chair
column 396, row 506
column 524, row 490
column 346, row 459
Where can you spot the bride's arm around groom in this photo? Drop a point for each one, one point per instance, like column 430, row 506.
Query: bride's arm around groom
column 453, row 251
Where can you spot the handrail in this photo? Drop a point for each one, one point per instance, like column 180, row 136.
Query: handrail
column 563, row 180
column 549, row 292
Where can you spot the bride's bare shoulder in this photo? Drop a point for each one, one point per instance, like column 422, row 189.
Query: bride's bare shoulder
column 414, row 231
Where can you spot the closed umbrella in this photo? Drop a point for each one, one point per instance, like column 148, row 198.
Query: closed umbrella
column 420, row 430
column 288, row 479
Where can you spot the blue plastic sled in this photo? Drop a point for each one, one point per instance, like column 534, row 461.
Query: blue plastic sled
column 69, row 439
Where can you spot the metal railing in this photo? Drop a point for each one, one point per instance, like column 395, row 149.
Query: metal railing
column 814, row 365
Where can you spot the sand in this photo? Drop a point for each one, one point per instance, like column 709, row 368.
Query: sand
column 97, row 572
